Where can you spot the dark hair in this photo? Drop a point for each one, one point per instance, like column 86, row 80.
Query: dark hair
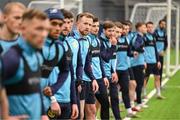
column 95, row 19
column 67, row 14
column 162, row 21
column 149, row 22
column 118, row 24
column 34, row 13
column 139, row 24
column 108, row 24
column 86, row 14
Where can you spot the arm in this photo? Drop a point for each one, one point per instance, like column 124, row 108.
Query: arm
column 165, row 43
column 73, row 90
column 79, row 69
column 64, row 71
column 156, row 52
column 87, row 67
column 102, row 68
column 107, row 53
column 10, row 64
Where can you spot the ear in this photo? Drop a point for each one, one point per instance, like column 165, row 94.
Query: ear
column 4, row 17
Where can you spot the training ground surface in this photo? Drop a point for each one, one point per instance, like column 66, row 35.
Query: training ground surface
column 168, row 109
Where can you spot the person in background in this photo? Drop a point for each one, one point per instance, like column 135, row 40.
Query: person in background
column 98, row 71
column 108, row 54
column 161, row 44
column 138, row 61
column 10, row 20
column 89, row 84
column 152, row 60
column 122, row 69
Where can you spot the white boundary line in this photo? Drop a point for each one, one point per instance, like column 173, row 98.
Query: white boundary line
column 153, row 92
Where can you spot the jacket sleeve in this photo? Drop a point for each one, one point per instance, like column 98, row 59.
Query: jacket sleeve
column 165, row 43
column 79, row 69
column 10, row 63
column 156, row 52
column 73, row 89
column 107, row 53
column 102, row 68
column 88, row 67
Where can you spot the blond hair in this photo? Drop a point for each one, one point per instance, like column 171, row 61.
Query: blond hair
column 9, row 7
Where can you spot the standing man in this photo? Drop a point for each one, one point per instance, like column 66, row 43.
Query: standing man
column 98, row 70
column 138, row 62
column 74, row 45
column 108, row 54
column 122, row 69
column 10, row 20
column 161, row 44
column 89, row 85
column 21, row 66
column 152, row 59
column 60, row 85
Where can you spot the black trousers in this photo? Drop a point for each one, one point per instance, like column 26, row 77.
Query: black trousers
column 124, row 83
column 114, row 97
column 161, row 58
column 139, row 77
column 102, row 97
column 65, row 111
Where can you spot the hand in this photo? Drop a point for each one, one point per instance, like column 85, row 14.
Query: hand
column 79, row 88
column 113, row 40
column 145, row 65
column 135, row 54
column 106, row 82
column 75, row 111
column 55, row 108
column 44, row 117
column 161, row 53
column 47, row 91
column 114, row 78
column 95, row 86
column 159, row 65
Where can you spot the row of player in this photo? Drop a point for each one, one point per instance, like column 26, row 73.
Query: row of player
column 56, row 67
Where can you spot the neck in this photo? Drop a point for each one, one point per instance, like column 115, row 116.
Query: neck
column 7, row 35
column 140, row 33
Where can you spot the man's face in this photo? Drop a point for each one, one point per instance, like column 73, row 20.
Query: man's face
column 55, row 28
column 150, row 28
column 143, row 29
column 125, row 29
column 162, row 25
column 95, row 28
column 13, row 19
column 118, row 32
column 84, row 25
column 67, row 26
column 35, row 31
column 109, row 32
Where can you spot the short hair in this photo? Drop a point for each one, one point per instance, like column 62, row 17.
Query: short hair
column 127, row 22
column 118, row 24
column 150, row 22
column 95, row 19
column 9, row 6
column 108, row 24
column 29, row 14
column 67, row 14
column 86, row 14
column 139, row 24
column 162, row 21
